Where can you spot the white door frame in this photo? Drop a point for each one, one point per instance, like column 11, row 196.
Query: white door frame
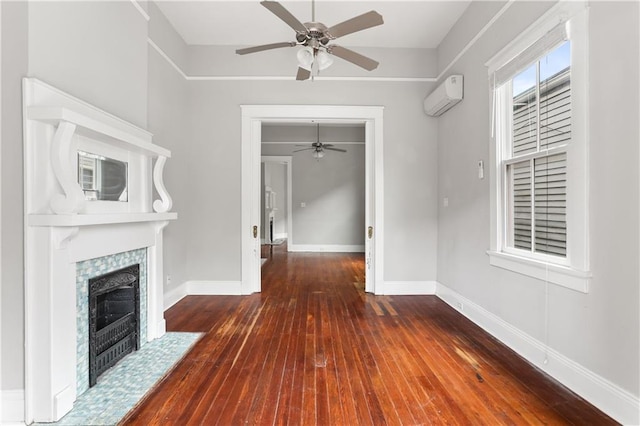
column 252, row 118
column 287, row 160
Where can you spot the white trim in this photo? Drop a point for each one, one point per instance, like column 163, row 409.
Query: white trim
column 309, row 142
column 441, row 74
column 281, row 236
column 409, row 288
column 175, row 295
column 561, row 12
column 573, row 271
column 141, row 10
column 213, row 288
column 605, row 395
column 167, row 58
column 565, row 276
column 473, row 41
column 252, row 118
column 282, row 77
column 293, row 78
column 327, row 248
column 201, row 288
column 12, row 403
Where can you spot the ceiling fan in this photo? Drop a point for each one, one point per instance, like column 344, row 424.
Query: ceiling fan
column 318, row 147
column 315, row 37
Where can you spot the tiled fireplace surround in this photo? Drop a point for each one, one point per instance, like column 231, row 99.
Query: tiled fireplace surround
column 69, row 240
column 92, row 268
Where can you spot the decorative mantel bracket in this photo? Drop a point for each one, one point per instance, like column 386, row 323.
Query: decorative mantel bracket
column 62, row 149
column 165, row 202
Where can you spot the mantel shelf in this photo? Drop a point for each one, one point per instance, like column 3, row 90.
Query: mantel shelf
column 117, row 133
column 72, row 220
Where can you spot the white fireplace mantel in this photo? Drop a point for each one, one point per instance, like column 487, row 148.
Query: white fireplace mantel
column 62, row 229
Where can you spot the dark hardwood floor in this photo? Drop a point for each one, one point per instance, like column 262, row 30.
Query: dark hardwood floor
column 314, row 349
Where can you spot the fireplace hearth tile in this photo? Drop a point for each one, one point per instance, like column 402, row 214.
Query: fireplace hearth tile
column 123, row 386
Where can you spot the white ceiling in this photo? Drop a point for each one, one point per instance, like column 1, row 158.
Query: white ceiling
column 409, row 24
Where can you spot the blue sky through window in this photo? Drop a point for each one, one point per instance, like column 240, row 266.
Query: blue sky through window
column 556, row 60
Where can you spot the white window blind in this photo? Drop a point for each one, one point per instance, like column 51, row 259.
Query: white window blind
column 553, row 38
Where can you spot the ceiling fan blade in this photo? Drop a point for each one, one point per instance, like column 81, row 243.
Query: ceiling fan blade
column 353, row 57
column 335, row 149
column 359, row 23
column 303, row 74
column 282, row 13
column 260, row 48
column 303, row 149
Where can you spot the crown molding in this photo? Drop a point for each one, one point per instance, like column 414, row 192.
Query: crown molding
column 141, row 10
column 477, row 37
column 440, row 75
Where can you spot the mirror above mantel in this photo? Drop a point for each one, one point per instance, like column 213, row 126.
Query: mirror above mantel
column 102, row 178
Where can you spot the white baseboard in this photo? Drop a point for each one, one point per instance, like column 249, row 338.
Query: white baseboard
column 12, row 407
column 408, row 288
column 172, row 297
column 327, row 248
column 280, row 236
column 606, row 396
column 202, row 288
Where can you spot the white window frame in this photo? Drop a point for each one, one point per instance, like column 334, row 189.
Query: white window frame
column 573, row 271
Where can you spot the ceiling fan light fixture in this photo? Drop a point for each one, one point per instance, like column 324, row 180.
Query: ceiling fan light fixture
column 305, row 58
column 324, row 59
column 318, row 154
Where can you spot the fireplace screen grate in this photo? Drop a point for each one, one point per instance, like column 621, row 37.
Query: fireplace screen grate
column 114, row 301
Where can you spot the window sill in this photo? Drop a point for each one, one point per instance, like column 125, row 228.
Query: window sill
column 564, row 276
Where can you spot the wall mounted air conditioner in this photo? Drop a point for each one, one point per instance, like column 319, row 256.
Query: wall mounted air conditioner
column 445, row 96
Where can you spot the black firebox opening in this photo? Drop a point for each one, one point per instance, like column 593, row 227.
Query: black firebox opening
column 114, row 317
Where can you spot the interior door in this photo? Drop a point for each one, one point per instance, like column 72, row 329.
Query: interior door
column 370, row 231
column 251, row 257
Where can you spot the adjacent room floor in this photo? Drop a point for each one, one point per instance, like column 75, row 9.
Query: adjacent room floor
column 313, row 348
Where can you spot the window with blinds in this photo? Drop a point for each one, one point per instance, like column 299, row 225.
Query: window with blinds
column 536, row 167
column 540, row 180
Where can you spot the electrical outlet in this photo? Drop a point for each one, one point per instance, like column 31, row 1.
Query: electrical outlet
column 445, row 202
column 460, row 306
column 303, row 204
column 480, row 169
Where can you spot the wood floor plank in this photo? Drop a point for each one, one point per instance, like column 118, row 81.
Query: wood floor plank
column 314, row 349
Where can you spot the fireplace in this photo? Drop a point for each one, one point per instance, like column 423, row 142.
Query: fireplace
column 114, row 318
column 69, row 240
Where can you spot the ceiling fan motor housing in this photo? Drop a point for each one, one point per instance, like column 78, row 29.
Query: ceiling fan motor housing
column 317, row 31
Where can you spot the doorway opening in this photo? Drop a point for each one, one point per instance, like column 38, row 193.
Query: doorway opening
column 253, row 116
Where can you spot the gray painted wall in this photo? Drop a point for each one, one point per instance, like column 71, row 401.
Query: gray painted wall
column 168, row 121
column 410, row 169
column 95, row 51
column 14, row 67
column 598, row 330
column 333, row 190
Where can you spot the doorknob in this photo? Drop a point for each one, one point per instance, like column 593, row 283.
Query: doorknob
column 370, row 232
column 255, row 231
